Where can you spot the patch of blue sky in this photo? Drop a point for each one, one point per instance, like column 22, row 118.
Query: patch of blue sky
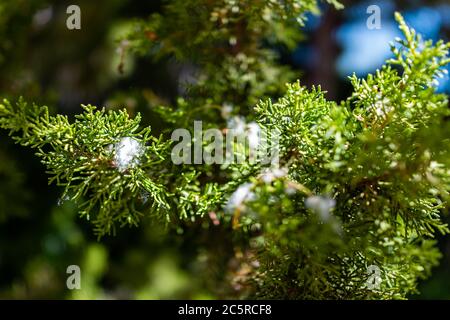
column 365, row 50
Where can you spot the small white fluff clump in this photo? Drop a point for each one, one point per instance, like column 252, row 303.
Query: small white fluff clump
column 62, row 200
column 251, row 130
column 270, row 175
column 254, row 132
column 321, row 205
column 237, row 124
column 226, row 110
column 243, row 193
column 127, row 153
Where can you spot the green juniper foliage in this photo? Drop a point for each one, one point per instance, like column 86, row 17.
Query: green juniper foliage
column 361, row 184
column 82, row 157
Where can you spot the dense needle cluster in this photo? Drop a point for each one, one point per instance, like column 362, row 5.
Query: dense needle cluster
column 361, row 182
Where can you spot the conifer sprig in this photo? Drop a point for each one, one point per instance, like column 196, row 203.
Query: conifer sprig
column 83, row 157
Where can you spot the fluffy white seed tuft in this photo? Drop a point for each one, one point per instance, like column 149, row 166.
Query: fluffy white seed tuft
column 127, row 153
column 272, row 174
column 243, row 193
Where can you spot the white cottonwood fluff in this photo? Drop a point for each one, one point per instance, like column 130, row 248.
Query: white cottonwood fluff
column 272, row 174
column 321, row 205
column 243, row 193
column 127, row 153
column 253, row 133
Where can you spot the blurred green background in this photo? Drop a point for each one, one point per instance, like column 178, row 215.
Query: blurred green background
column 40, row 59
